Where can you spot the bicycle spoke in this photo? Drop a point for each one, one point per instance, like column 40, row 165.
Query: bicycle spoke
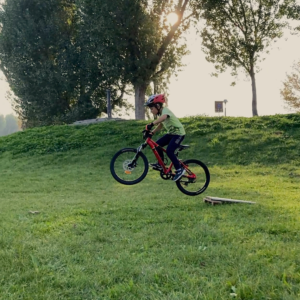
column 127, row 168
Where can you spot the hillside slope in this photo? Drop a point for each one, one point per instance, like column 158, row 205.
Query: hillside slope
column 263, row 140
column 68, row 230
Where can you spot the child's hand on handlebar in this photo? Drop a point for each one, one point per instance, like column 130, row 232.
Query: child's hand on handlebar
column 149, row 126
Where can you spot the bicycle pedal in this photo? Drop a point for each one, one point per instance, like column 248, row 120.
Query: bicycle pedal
column 156, row 169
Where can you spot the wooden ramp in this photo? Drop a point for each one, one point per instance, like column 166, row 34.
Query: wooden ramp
column 216, row 200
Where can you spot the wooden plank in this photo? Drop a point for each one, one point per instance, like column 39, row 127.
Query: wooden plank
column 220, row 200
column 212, row 201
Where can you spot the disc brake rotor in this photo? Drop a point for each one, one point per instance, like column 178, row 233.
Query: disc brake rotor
column 126, row 165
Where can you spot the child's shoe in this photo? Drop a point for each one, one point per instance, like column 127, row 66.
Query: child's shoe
column 179, row 174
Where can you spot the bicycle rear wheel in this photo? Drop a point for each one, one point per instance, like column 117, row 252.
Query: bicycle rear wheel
column 128, row 168
column 194, row 186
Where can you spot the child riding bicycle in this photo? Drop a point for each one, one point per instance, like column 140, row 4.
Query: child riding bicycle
column 173, row 138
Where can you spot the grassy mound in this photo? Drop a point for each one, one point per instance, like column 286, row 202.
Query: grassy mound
column 69, row 231
column 264, row 140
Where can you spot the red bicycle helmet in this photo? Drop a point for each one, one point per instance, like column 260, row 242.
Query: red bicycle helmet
column 154, row 99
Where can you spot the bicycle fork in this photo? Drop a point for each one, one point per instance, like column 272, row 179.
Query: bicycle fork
column 135, row 158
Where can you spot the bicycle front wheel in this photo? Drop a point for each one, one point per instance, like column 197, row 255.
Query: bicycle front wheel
column 128, row 167
column 196, row 179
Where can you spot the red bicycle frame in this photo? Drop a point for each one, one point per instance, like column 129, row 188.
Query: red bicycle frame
column 153, row 145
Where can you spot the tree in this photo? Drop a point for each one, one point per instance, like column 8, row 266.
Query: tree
column 291, row 88
column 60, row 56
column 29, row 47
column 137, row 41
column 55, row 78
column 293, row 12
column 238, row 32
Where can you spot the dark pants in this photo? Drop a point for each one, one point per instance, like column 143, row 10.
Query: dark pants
column 173, row 141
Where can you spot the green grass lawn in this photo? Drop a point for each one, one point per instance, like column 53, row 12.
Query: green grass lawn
column 94, row 238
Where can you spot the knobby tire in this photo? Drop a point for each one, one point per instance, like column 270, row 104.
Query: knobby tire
column 206, row 183
column 142, row 159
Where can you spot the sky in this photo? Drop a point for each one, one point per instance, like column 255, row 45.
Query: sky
column 194, row 91
column 5, row 107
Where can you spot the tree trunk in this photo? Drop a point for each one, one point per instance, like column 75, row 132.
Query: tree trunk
column 254, row 97
column 140, row 90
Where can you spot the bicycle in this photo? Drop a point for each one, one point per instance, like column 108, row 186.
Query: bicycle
column 130, row 166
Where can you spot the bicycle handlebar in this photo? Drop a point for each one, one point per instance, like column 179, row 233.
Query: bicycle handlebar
column 147, row 134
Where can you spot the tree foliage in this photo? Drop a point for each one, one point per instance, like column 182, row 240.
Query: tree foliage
column 238, row 32
column 49, row 65
column 139, row 43
column 291, row 88
column 293, row 13
column 60, row 56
